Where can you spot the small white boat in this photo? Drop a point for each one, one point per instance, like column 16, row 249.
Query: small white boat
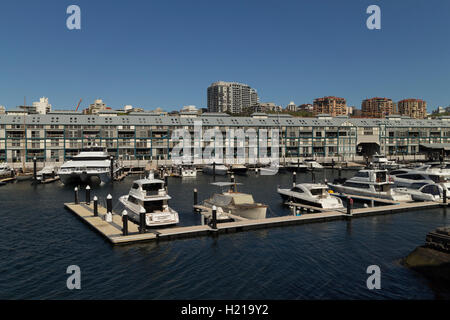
column 188, row 171
column 47, row 171
column 312, row 164
column 238, row 169
column 236, row 203
column 311, row 194
column 370, row 183
column 218, row 169
column 5, row 170
column 298, row 166
column 149, row 196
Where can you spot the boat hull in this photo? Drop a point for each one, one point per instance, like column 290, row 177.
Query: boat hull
column 218, row 171
column 84, row 177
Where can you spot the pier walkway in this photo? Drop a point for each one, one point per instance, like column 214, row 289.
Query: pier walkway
column 112, row 231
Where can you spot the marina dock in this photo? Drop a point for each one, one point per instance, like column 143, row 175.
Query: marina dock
column 113, row 231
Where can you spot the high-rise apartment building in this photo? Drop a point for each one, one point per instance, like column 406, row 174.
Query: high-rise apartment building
column 378, row 107
column 231, row 97
column 334, row 106
column 414, row 108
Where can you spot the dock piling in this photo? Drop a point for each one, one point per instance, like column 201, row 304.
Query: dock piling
column 214, row 168
column 111, row 167
column 34, row 170
column 444, row 195
column 88, row 195
column 76, row 195
column 294, row 178
column 349, row 205
column 142, row 220
column 95, row 206
column 109, row 203
column 214, row 218
column 195, row 197
column 125, row 222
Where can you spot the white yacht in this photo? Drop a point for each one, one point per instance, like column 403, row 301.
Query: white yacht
column 370, row 183
column 220, row 169
column 188, row 171
column 238, row 169
column 236, row 203
column 406, row 178
column 5, row 170
column 311, row 194
column 381, row 162
column 90, row 166
column 312, row 164
column 421, row 191
column 150, row 195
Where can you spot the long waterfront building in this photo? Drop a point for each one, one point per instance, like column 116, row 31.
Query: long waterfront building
column 56, row 137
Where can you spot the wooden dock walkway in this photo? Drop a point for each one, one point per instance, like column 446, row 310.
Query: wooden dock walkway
column 112, row 231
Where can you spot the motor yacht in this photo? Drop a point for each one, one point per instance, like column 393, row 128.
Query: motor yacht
column 381, row 162
column 421, row 191
column 149, row 195
column 311, row 194
column 90, row 166
column 374, row 183
column 236, row 203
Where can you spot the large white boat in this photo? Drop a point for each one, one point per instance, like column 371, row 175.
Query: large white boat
column 408, row 177
column 311, row 194
column 90, row 166
column 218, row 169
column 370, row 183
column 236, row 203
column 150, row 195
column 5, row 170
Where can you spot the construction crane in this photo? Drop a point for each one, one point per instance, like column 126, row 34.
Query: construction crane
column 78, row 104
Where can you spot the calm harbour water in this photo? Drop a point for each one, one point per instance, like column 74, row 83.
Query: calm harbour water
column 39, row 239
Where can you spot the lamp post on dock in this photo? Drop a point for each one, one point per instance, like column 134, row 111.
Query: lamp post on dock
column 76, row 195
column 95, row 206
column 88, row 195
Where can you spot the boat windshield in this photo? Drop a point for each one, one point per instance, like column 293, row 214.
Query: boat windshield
column 438, row 178
column 417, row 185
column 151, row 206
column 317, row 192
column 381, row 176
column 152, row 188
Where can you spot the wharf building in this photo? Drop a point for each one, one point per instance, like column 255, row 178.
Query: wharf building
column 56, row 137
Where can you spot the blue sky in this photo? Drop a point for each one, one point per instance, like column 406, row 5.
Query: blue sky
column 166, row 53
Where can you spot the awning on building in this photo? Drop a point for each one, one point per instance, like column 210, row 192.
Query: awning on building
column 436, row 146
